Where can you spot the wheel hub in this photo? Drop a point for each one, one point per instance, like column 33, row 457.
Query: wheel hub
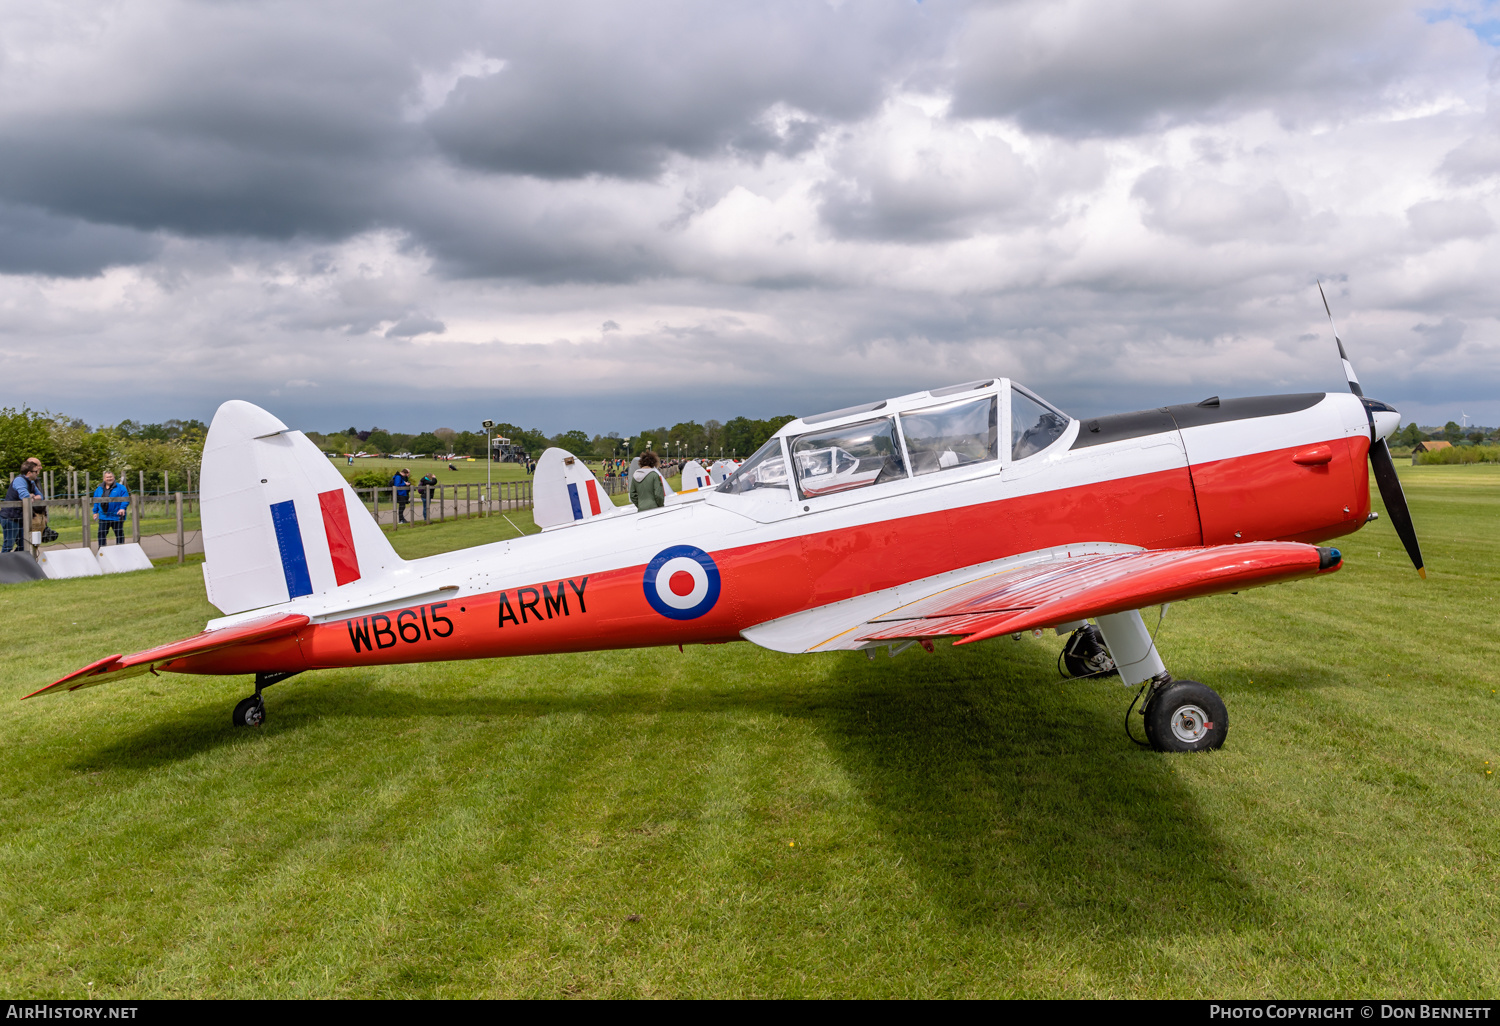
column 1190, row 724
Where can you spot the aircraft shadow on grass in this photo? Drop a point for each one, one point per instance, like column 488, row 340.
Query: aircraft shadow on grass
column 1022, row 805
column 1014, row 798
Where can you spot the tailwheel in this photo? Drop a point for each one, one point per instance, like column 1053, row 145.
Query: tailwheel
column 1084, row 655
column 251, row 712
column 1186, row 716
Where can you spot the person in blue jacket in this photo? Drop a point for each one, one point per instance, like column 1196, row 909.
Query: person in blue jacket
column 402, row 484
column 111, row 511
column 23, row 485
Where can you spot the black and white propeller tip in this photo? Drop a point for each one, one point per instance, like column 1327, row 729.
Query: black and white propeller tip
column 1384, row 419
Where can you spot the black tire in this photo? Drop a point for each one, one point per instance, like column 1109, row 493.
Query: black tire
column 250, row 713
column 1084, row 654
column 1186, row 717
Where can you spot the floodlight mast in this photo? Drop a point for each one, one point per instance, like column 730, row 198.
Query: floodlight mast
column 488, row 456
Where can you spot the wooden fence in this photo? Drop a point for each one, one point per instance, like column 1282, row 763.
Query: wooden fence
column 444, row 502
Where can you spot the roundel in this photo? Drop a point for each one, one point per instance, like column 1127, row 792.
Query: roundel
column 682, row 582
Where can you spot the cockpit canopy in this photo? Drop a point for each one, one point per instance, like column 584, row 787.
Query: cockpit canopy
column 934, row 432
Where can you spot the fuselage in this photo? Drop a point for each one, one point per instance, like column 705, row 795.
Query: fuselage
column 1269, row 468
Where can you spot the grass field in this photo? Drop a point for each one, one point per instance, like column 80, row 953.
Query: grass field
column 729, row 821
column 467, row 473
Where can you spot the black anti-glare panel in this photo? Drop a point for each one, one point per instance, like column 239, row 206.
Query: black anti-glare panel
column 1193, row 415
column 1119, row 426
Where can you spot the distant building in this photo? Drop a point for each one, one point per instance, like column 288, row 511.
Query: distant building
column 1429, row 446
column 506, row 451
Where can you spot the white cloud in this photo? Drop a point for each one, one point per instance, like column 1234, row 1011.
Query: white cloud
column 356, row 205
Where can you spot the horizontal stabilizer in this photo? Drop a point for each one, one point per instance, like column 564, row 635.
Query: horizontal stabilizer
column 117, row 667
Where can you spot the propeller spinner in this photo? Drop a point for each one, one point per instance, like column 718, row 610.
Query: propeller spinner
column 1379, row 415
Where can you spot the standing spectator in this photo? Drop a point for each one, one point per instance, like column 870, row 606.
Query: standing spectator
column 647, row 489
column 424, row 489
column 401, row 484
column 111, row 514
column 22, row 485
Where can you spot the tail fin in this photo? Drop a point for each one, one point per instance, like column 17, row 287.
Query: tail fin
column 565, row 491
column 721, row 470
column 279, row 522
column 694, row 476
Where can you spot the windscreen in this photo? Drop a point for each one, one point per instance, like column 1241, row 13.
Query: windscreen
column 1033, row 425
column 765, row 469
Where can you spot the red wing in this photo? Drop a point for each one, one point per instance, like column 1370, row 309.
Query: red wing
column 116, row 667
column 1093, row 585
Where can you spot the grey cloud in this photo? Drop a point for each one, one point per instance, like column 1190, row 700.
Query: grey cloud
column 1442, row 220
column 1125, row 67
column 414, row 325
column 1209, row 211
column 741, row 190
column 606, row 89
column 919, row 181
column 1440, row 338
column 1477, row 158
column 35, row 242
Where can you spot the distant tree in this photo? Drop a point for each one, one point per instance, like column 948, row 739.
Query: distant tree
column 428, row 442
column 24, row 434
column 1410, row 435
column 446, row 434
column 576, row 442
column 364, row 436
column 1476, row 437
column 742, row 436
column 1452, row 431
column 380, row 441
column 530, row 439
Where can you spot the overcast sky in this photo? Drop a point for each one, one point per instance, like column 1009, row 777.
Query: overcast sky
column 609, row 215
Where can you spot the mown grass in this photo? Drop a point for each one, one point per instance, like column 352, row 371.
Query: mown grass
column 729, row 821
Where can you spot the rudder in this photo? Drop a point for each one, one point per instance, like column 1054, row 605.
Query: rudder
column 279, row 522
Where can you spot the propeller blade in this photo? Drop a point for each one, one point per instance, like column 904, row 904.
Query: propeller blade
column 1380, row 457
column 1395, row 502
column 1348, row 367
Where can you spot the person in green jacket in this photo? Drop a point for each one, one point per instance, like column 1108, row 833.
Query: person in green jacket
column 647, row 489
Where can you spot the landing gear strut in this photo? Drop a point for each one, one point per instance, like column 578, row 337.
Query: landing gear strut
column 1180, row 715
column 251, row 712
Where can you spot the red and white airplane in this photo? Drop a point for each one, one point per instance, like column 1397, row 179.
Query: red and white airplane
column 968, row 512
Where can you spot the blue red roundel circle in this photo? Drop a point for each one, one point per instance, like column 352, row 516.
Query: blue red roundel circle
column 682, row 582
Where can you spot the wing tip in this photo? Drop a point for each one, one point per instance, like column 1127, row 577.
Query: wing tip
column 93, row 669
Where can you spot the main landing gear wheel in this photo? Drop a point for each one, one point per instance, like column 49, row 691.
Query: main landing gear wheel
column 250, row 713
column 1186, row 716
column 1084, row 655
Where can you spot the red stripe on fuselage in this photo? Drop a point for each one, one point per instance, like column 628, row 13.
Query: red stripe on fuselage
column 593, row 497
column 1268, row 496
column 340, row 537
column 764, row 581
